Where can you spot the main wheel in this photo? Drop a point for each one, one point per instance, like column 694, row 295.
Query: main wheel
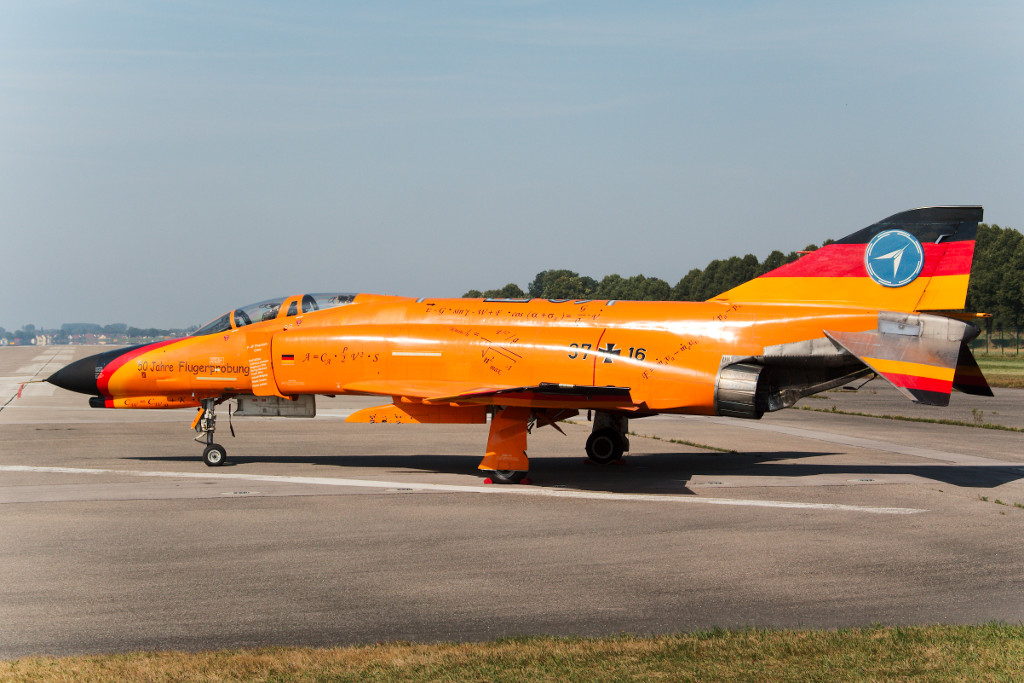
column 605, row 446
column 214, row 455
column 508, row 476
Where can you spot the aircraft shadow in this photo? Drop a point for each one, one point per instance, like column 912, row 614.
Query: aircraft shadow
column 642, row 473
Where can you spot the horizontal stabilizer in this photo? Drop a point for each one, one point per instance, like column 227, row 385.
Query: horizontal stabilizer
column 921, row 356
column 912, row 370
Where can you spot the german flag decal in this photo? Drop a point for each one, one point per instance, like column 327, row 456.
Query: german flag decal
column 287, row 359
column 913, row 261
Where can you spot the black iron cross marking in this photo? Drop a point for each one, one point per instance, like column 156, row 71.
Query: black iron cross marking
column 609, row 350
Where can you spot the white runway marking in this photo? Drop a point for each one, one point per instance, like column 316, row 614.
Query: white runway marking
column 454, row 488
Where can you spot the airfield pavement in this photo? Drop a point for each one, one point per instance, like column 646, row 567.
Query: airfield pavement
column 115, row 537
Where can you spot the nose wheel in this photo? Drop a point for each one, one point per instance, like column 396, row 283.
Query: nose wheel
column 214, row 455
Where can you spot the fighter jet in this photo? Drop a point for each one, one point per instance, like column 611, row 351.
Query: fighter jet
column 880, row 301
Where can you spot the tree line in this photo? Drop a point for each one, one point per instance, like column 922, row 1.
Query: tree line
column 70, row 332
column 996, row 287
column 997, row 278
column 697, row 285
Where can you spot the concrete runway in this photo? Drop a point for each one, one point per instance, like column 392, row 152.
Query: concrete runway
column 115, row 537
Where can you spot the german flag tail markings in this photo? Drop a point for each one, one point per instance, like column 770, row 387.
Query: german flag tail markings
column 918, row 260
column 913, row 261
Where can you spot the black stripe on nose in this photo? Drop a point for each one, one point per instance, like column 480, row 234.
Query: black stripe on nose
column 82, row 374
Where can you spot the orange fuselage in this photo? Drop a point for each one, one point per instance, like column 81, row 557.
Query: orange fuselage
column 667, row 353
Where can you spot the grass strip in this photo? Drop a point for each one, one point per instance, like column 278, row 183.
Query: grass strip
column 992, row 652
column 1002, row 371
column 1004, row 380
column 903, row 418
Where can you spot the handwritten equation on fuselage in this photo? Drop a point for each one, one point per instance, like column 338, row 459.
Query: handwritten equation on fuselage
column 584, row 313
column 498, row 353
column 687, row 344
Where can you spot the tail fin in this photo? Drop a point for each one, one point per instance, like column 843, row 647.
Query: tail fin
column 914, row 261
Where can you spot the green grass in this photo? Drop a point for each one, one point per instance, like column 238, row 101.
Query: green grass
column 1002, row 370
column 990, row 652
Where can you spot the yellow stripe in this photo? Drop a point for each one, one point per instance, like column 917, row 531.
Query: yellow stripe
column 915, row 369
column 944, row 291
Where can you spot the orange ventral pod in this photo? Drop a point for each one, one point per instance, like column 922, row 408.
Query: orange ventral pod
column 145, row 402
column 417, row 413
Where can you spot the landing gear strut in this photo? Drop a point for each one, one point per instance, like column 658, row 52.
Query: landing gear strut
column 506, row 446
column 214, row 455
column 608, row 441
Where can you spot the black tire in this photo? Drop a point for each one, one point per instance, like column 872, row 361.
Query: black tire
column 605, row 446
column 215, row 455
column 508, row 476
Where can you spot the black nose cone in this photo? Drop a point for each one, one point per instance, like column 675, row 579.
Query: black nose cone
column 82, row 375
column 79, row 376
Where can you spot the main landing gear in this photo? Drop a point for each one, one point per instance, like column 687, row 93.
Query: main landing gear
column 506, row 443
column 214, row 455
column 607, row 441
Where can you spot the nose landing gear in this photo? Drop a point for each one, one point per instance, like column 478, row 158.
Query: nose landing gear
column 214, row 455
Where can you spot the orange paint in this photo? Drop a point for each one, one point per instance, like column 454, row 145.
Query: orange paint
column 756, row 348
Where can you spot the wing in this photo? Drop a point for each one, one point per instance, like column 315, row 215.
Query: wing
column 422, row 390
column 446, row 402
column 547, row 395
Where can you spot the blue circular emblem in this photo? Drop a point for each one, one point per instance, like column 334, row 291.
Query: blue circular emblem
column 894, row 258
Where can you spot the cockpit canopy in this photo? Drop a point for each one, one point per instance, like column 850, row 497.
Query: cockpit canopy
column 271, row 309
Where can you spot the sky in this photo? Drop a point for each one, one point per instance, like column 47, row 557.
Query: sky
column 164, row 162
